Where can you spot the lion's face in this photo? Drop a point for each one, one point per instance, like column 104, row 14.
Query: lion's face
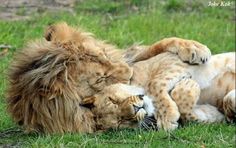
column 95, row 76
column 118, row 106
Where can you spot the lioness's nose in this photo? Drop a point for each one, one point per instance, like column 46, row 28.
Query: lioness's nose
column 141, row 114
column 141, row 97
column 137, row 108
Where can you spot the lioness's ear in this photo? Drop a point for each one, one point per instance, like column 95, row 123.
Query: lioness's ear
column 88, row 102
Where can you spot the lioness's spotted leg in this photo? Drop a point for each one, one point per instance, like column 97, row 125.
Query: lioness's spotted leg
column 229, row 107
column 186, row 94
column 166, row 113
column 189, row 51
column 161, row 82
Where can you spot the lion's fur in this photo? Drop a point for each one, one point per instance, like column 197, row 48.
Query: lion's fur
column 48, row 80
column 63, row 34
column 42, row 94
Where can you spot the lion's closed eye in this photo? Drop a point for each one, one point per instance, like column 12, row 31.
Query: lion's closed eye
column 112, row 100
column 100, row 80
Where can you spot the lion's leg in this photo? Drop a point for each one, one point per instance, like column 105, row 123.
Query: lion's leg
column 186, row 94
column 229, row 107
column 189, row 51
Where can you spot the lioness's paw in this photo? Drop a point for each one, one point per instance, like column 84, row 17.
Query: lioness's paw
column 168, row 121
column 229, row 106
column 167, row 125
column 193, row 52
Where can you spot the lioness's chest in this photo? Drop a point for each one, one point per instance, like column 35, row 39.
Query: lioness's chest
column 160, row 66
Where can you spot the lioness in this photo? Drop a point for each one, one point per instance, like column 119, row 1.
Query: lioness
column 215, row 80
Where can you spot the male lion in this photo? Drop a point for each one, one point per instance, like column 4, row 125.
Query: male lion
column 50, row 78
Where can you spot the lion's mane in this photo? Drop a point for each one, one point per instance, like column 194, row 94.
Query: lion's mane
column 49, row 78
column 42, row 95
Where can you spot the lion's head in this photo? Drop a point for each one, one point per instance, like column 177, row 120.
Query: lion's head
column 99, row 64
column 49, row 78
column 119, row 106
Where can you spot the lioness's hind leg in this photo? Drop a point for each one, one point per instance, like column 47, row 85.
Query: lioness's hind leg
column 207, row 113
column 186, row 94
column 229, row 107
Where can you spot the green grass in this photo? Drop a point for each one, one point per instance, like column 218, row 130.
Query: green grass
column 193, row 135
column 117, row 23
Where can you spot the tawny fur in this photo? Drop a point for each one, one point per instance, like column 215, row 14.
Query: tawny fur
column 184, row 93
column 113, row 107
column 159, row 74
column 49, row 79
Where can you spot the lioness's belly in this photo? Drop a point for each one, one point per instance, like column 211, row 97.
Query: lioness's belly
column 220, row 86
column 216, row 78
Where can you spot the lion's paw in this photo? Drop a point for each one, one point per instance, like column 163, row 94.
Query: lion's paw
column 193, row 52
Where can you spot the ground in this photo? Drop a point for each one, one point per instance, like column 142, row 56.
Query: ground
column 120, row 23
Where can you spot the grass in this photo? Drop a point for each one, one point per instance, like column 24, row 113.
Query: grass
column 193, row 135
column 124, row 24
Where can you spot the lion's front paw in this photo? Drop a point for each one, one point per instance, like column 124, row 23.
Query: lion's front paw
column 193, row 52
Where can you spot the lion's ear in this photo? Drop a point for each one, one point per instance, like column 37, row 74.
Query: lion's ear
column 48, row 32
column 58, row 31
column 88, row 102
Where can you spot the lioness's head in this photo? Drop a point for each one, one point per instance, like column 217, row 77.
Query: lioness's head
column 121, row 106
